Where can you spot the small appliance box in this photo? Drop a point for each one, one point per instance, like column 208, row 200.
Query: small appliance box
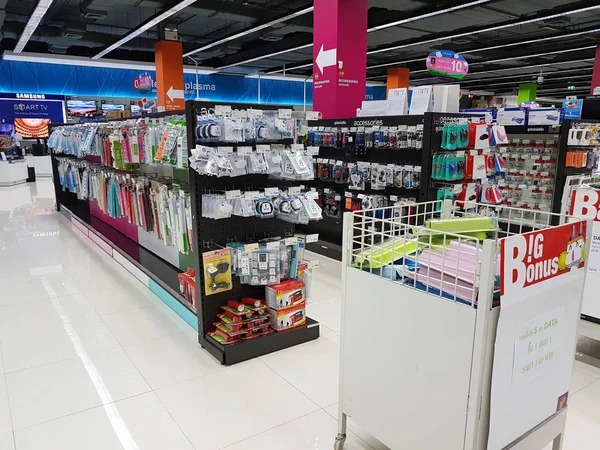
column 285, row 294
column 290, row 317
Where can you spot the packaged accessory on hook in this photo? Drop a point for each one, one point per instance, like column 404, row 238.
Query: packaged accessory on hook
column 217, row 271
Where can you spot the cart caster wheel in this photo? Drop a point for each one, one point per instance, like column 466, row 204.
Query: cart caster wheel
column 339, row 442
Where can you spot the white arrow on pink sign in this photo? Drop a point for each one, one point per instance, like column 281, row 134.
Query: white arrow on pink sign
column 326, row 58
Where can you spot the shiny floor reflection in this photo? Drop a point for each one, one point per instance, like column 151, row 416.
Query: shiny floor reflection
column 90, row 359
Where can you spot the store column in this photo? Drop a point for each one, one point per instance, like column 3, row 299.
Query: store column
column 340, row 56
column 527, row 92
column 169, row 75
column 398, row 78
column 595, row 90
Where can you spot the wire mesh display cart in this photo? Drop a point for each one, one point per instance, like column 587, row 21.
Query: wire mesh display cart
column 420, row 328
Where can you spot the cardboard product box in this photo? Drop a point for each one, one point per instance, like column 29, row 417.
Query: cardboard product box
column 290, row 317
column 285, row 294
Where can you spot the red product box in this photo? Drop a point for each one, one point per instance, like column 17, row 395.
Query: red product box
column 290, row 317
column 286, row 294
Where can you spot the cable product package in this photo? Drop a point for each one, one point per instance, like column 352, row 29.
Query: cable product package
column 217, row 271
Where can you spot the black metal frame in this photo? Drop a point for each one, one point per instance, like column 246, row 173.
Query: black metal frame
column 330, row 229
column 212, row 234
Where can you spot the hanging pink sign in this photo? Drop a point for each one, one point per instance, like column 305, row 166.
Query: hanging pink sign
column 447, row 65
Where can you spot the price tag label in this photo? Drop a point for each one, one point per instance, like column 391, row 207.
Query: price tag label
column 270, row 191
column 297, row 147
column 222, row 110
column 291, row 241
column 393, row 198
column 239, row 114
column 312, row 194
column 224, row 150
column 273, row 245
column 327, row 190
column 251, row 247
column 310, row 238
column 284, row 113
column 255, row 113
column 348, row 194
column 230, row 195
column 360, row 196
column 313, row 151
column 263, row 148
column 278, row 147
column 313, row 264
column 252, row 195
column 244, row 150
column 294, row 190
column 313, row 115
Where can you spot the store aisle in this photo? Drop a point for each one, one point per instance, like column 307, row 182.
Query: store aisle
column 91, row 359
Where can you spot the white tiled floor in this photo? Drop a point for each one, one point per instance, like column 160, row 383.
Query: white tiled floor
column 89, row 359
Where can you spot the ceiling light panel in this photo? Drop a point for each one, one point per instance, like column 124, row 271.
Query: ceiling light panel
column 145, row 27
column 251, row 30
column 34, row 20
column 486, row 30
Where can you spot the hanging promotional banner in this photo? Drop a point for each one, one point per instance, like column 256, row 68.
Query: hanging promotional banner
column 541, row 286
column 585, row 203
column 447, row 65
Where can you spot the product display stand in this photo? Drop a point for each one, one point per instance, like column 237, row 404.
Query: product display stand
column 567, row 177
column 154, row 264
column 474, row 346
column 210, row 234
column 399, row 151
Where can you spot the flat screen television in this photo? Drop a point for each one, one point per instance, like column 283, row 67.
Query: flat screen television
column 106, row 107
column 32, row 128
column 81, row 108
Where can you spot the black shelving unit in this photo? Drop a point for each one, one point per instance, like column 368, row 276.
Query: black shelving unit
column 330, row 229
column 214, row 234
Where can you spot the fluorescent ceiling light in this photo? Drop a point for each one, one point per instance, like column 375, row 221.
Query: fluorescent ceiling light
column 370, row 30
column 517, row 82
column 534, row 55
column 485, row 49
column 583, row 88
column 251, row 30
column 145, row 27
column 34, row 20
column 514, row 77
column 86, row 62
column 487, row 29
column 427, row 15
column 266, row 56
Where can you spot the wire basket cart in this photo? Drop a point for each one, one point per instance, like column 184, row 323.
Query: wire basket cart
column 420, row 311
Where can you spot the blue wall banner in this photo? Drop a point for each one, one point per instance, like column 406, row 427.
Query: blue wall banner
column 84, row 81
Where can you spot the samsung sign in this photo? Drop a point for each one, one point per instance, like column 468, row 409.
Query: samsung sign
column 58, row 79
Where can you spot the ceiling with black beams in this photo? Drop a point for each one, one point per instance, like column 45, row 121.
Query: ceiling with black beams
column 506, row 42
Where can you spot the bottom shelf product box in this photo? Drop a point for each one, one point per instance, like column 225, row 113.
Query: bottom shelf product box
column 290, row 317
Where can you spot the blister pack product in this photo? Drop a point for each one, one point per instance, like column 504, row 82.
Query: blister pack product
column 356, row 176
column 217, row 271
column 264, row 268
column 264, row 208
column 378, row 176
